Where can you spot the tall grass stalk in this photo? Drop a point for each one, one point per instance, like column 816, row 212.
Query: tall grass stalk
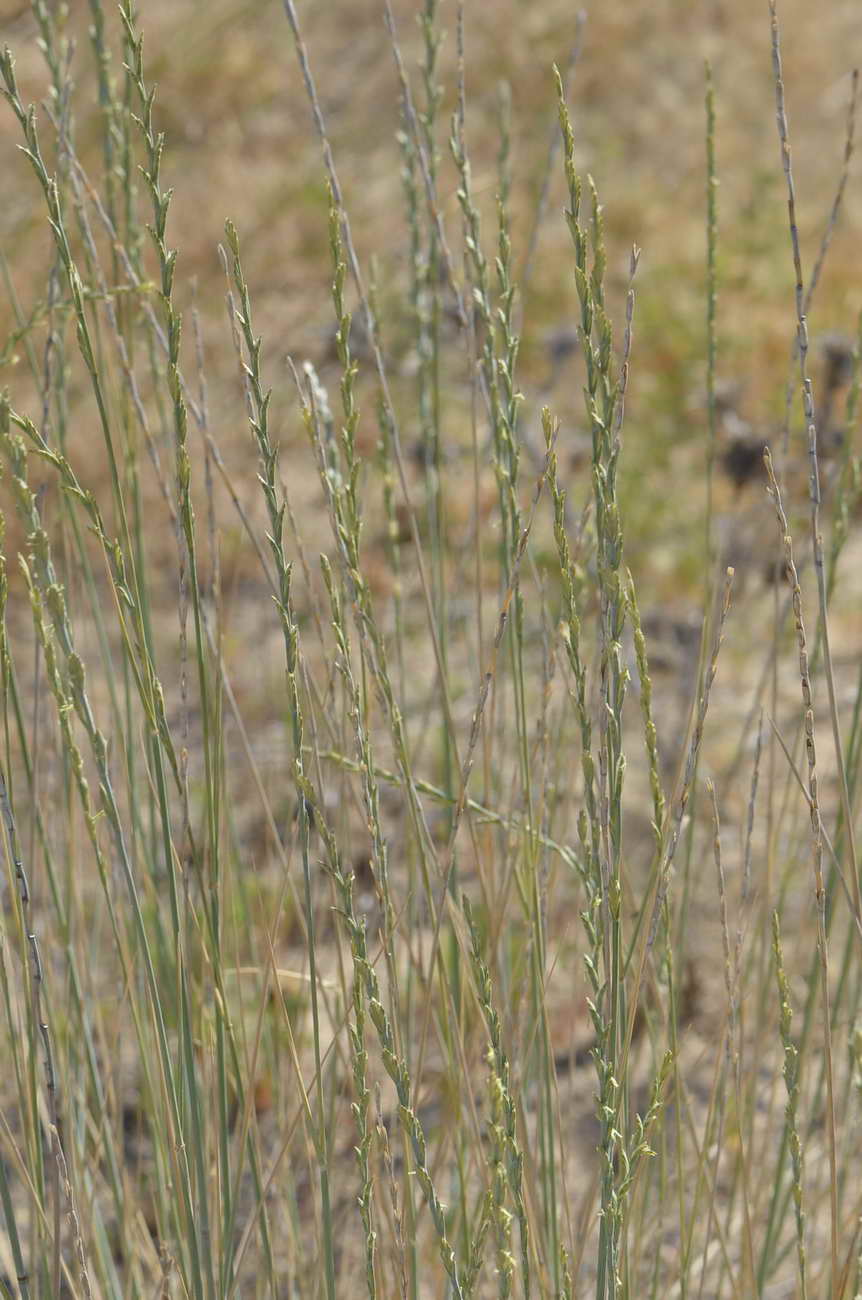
column 817, row 857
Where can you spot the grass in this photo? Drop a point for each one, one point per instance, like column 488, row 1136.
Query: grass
column 430, row 867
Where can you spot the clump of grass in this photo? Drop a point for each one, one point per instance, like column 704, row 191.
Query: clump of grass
column 291, row 1006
